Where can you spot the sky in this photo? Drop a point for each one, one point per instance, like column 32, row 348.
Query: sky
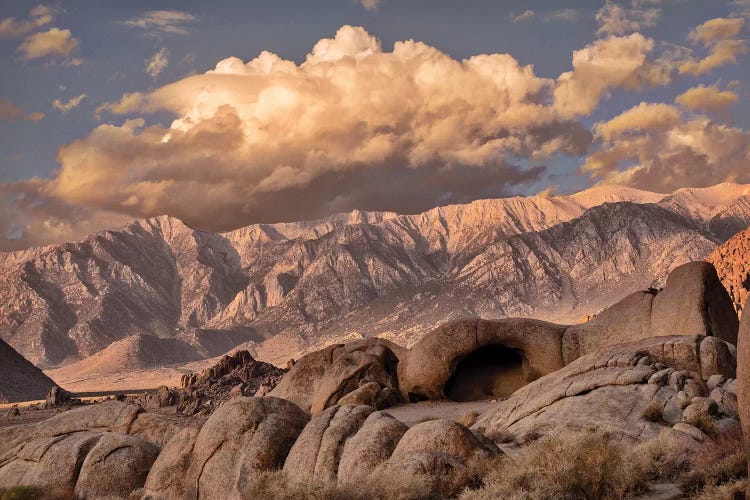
column 229, row 113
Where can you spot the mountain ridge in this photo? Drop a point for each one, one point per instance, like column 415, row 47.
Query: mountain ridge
column 356, row 273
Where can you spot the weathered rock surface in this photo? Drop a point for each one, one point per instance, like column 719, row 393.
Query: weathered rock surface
column 612, row 390
column 743, row 380
column 158, row 285
column 117, row 465
column 732, row 262
column 431, row 362
column 316, row 454
column 693, row 302
column 238, row 372
column 94, row 451
column 19, row 379
column 244, row 436
column 320, row 379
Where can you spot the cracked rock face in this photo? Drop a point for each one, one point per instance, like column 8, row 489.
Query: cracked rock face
column 743, row 379
column 616, row 390
column 93, row 451
column 732, row 262
column 243, row 437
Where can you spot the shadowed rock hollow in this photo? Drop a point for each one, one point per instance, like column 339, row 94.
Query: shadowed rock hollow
column 490, row 371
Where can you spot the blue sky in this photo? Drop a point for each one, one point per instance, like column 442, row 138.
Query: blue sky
column 111, row 55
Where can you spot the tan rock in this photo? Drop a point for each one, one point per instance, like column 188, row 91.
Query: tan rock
column 244, row 436
column 372, row 445
column 115, row 467
column 317, row 452
column 743, row 380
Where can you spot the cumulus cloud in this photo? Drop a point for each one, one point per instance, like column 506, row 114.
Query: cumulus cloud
column 12, row 28
column 719, row 37
column 9, row 112
column 157, row 63
column 68, row 105
column 524, row 16
column 708, row 99
column 615, row 19
column 354, row 126
column 51, row 43
column 653, row 146
column 162, row 21
column 611, row 63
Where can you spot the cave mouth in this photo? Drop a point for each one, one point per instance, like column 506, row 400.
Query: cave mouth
column 492, row 371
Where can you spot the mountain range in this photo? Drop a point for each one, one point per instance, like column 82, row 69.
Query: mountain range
column 157, row 292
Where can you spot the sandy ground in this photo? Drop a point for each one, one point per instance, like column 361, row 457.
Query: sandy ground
column 411, row 414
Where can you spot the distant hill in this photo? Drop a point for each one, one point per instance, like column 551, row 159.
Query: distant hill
column 19, row 379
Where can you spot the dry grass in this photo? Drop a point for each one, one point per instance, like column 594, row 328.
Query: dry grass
column 500, row 435
column 735, row 489
column 662, row 461
column 275, row 485
column 718, row 462
column 468, row 419
column 653, row 412
column 584, row 465
column 32, row 493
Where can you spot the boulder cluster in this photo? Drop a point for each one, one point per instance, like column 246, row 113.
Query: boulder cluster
column 326, row 421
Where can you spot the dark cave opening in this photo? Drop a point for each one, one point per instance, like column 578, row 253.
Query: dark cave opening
column 492, row 371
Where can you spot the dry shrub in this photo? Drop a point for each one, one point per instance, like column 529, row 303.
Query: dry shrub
column 275, row 485
column 502, row 435
column 584, row 465
column 34, row 493
column 653, row 412
column 717, row 462
column 662, row 460
column 468, row 419
column 735, row 489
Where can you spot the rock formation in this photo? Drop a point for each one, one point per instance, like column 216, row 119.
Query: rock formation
column 743, row 380
column 732, row 262
column 19, row 379
column 190, row 294
column 449, row 361
column 615, row 388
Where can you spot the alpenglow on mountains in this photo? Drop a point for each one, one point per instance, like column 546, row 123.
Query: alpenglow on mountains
column 157, row 285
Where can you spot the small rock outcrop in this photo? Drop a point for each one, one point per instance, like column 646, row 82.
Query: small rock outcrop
column 243, row 437
column 321, row 379
column 693, row 302
column 234, row 375
column 632, row 390
column 732, row 262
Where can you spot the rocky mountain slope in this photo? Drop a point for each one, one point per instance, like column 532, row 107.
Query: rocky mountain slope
column 284, row 288
column 732, row 262
column 19, row 379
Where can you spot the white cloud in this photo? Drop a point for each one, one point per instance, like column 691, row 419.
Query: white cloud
column 12, row 28
column 157, row 63
column 370, row 4
column 614, row 62
column 51, row 43
column 614, row 19
column 354, row 126
column 708, row 99
column 70, row 104
column 524, row 16
column 719, row 37
column 162, row 21
column 653, row 146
